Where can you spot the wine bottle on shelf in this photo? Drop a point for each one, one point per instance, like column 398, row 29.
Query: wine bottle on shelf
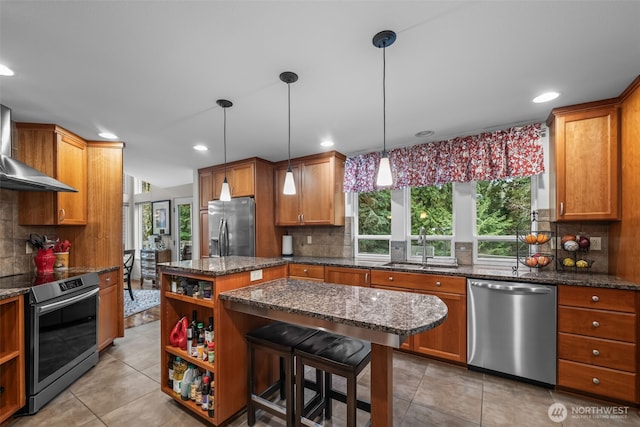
column 200, row 343
column 194, row 320
column 205, row 393
column 208, row 334
column 211, row 399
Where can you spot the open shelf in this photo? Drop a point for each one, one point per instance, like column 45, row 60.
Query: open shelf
column 203, row 302
column 195, row 408
column 202, row 364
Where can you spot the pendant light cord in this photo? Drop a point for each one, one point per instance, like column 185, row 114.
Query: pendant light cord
column 384, row 99
column 289, row 123
column 224, row 133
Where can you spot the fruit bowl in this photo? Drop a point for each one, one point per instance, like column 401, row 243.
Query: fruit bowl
column 536, row 237
column 537, row 260
column 578, row 264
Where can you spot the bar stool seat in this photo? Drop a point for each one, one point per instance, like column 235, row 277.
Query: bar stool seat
column 333, row 354
column 278, row 339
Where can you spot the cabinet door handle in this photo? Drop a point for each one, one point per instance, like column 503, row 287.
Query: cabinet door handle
column 595, row 298
column 302, row 217
column 595, row 324
column 438, row 284
column 366, row 278
column 596, row 381
column 108, row 279
column 561, row 208
column 595, row 352
column 61, row 215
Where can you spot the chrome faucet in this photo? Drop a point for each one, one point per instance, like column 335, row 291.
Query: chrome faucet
column 422, row 240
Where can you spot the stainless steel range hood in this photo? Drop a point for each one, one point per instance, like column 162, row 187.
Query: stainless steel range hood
column 15, row 175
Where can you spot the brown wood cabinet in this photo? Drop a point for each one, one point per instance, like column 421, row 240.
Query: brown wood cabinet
column 306, row 272
column 319, row 198
column 449, row 340
column 99, row 242
column 347, row 276
column 597, row 341
column 63, row 156
column 108, row 309
column 12, row 381
column 586, row 142
column 240, row 176
column 230, row 365
column 250, row 177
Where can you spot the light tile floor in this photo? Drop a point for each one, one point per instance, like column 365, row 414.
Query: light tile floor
column 123, row 390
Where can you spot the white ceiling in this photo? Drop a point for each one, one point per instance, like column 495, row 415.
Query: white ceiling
column 151, row 71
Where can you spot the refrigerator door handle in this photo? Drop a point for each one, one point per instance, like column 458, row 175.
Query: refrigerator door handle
column 224, row 237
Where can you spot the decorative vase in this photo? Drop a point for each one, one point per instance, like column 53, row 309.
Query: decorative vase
column 44, row 261
column 62, row 260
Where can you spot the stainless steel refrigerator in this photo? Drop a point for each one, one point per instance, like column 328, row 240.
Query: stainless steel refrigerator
column 232, row 227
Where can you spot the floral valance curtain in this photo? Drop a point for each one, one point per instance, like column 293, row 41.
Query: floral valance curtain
column 510, row 153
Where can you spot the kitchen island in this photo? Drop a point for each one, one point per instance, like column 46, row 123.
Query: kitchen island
column 249, row 289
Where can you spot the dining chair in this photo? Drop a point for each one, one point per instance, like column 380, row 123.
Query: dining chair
column 128, row 259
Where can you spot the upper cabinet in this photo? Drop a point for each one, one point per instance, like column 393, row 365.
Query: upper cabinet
column 63, row 156
column 585, row 139
column 251, row 177
column 319, row 198
column 240, row 176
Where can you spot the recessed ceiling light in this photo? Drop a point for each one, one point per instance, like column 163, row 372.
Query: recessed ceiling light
column 108, row 135
column 546, row 97
column 200, row 147
column 5, row 71
column 327, row 143
column 424, row 134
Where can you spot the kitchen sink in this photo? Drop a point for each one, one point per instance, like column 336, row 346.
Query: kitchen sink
column 418, row 265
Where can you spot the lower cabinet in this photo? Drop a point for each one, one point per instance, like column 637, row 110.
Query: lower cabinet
column 447, row 341
column 306, row 272
column 347, row 276
column 597, row 341
column 228, row 370
column 12, row 382
column 108, row 309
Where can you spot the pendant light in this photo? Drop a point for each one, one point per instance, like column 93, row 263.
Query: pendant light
column 289, row 185
column 382, row 40
column 225, row 191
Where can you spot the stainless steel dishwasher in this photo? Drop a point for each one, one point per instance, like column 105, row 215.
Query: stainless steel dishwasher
column 511, row 329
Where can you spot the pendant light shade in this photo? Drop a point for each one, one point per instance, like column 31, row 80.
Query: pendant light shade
column 384, row 177
column 289, row 184
column 225, row 191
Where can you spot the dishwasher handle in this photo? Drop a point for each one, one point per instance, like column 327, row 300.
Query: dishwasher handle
column 521, row 289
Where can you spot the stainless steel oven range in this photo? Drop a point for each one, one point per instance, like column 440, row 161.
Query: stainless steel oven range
column 61, row 336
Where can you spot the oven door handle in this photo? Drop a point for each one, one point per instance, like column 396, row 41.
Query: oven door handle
column 64, row 303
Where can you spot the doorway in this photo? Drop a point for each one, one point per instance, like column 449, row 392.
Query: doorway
column 182, row 227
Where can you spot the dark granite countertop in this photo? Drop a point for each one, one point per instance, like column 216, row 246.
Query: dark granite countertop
column 220, row 266
column 20, row 284
column 392, row 312
column 484, row 272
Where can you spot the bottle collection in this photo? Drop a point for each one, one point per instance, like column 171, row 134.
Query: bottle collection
column 201, row 340
column 188, row 382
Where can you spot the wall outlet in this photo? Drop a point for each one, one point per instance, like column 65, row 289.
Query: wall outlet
column 28, row 248
column 596, row 243
column 309, row 240
column 256, row 275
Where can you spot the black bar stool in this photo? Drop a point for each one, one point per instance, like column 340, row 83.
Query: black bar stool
column 279, row 339
column 333, row 354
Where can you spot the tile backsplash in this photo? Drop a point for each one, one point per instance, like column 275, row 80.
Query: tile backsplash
column 14, row 258
column 323, row 241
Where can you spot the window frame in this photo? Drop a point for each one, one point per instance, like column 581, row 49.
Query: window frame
column 357, row 237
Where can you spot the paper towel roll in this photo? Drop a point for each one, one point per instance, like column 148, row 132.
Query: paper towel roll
column 287, row 245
